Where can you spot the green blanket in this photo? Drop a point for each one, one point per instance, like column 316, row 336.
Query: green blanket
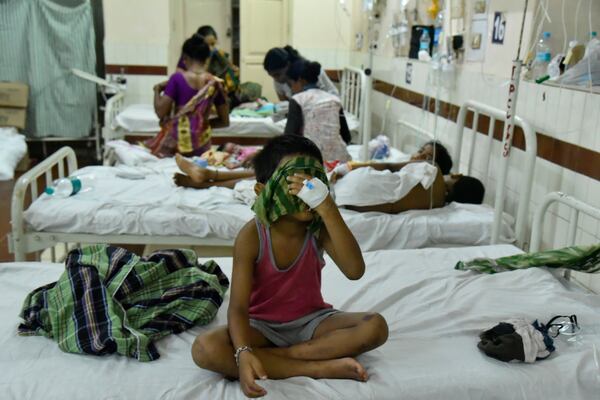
column 576, row 258
column 109, row 300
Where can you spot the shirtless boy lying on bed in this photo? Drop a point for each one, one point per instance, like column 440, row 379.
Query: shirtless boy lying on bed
column 396, row 187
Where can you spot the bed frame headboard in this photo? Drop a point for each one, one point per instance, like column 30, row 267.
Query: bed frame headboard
column 355, row 97
column 526, row 178
column 114, row 106
column 576, row 206
column 525, row 185
column 30, row 186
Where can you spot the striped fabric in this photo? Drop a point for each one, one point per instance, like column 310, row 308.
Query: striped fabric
column 109, row 300
column 576, row 258
column 275, row 201
column 41, row 41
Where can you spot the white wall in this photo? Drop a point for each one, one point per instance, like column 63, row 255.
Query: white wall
column 137, row 33
column 568, row 115
column 322, row 30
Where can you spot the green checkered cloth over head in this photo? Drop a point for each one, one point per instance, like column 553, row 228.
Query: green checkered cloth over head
column 275, row 200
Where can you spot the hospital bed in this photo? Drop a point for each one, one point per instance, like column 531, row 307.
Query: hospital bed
column 140, row 119
column 154, row 211
column 434, row 313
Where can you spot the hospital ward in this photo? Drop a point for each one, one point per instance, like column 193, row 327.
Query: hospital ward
column 300, row 199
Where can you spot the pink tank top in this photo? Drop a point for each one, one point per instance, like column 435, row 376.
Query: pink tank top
column 285, row 295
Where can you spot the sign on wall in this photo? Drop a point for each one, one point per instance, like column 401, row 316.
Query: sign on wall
column 499, row 28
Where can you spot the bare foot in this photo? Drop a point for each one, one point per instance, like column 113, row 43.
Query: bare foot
column 345, row 368
column 184, row 181
column 195, row 172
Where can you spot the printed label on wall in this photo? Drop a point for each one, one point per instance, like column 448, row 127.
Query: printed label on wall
column 499, row 28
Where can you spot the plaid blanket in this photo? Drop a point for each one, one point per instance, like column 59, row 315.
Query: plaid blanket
column 576, row 258
column 275, row 201
column 109, row 300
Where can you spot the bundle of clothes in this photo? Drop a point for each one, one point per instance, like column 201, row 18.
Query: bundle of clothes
column 517, row 339
column 109, row 300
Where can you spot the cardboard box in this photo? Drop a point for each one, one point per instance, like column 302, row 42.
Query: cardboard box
column 13, row 117
column 13, row 94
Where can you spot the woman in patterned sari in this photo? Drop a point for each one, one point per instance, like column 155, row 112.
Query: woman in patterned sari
column 192, row 94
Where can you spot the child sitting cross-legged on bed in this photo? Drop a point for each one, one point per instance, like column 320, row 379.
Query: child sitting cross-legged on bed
column 279, row 326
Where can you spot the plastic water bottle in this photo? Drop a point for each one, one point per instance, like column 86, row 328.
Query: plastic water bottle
column 425, row 40
column 437, row 33
column 594, row 42
column 424, row 43
column 65, row 187
column 542, row 58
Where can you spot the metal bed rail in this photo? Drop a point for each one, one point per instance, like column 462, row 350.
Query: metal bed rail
column 528, row 168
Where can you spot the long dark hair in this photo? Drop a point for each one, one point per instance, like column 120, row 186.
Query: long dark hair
column 304, row 69
column 280, row 57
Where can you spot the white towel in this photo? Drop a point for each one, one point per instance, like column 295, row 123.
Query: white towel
column 244, row 191
column 130, row 154
column 12, row 150
column 533, row 340
column 368, row 187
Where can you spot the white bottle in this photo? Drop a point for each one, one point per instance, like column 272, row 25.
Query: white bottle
column 65, row 187
column 424, row 43
column 425, row 40
column 542, row 57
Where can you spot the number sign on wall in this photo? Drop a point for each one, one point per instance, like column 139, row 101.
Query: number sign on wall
column 499, row 28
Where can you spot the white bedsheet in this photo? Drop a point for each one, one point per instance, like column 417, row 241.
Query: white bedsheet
column 142, row 118
column 155, row 206
column 151, row 206
column 434, row 313
column 138, row 118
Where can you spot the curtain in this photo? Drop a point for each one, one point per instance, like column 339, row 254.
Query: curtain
column 40, row 42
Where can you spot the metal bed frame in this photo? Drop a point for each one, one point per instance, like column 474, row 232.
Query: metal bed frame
column 577, row 207
column 525, row 187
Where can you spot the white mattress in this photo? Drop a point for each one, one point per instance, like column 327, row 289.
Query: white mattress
column 151, row 206
column 142, row 118
column 155, row 206
column 434, row 314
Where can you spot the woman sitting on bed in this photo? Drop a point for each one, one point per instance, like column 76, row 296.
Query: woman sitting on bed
column 315, row 113
column 278, row 324
column 192, row 94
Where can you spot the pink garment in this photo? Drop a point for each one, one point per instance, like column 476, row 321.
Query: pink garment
column 246, row 152
column 286, row 295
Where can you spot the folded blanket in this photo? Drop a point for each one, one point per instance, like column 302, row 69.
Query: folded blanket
column 576, row 258
column 109, row 300
column 369, row 187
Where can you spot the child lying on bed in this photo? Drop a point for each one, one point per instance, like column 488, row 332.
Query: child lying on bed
column 396, row 187
column 195, row 176
column 279, row 326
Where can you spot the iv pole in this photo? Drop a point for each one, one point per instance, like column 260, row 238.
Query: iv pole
column 507, row 135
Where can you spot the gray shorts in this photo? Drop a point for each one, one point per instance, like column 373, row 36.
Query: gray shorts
column 284, row 334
